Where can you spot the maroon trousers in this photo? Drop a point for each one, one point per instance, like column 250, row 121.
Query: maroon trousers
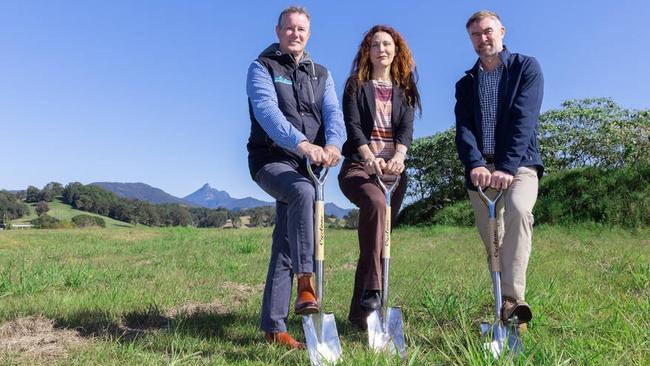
column 363, row 190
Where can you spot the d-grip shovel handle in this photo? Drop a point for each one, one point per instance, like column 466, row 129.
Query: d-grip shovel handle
column 319, row 214
column 493, row 252
column 385, row 252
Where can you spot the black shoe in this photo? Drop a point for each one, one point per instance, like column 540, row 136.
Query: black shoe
column 371, row 300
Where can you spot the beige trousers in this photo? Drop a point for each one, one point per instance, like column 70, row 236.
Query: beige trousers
column 515, row 227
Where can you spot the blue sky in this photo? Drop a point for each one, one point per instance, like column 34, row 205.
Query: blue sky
column 153, row 91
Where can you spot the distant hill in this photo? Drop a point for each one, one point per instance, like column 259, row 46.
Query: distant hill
column 332, row 209
column 61, row 211
column 209, row 197
column 205, row 196
column 141, row 191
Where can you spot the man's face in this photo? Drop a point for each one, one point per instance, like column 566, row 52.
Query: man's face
column 487, row 36
column 293, row 33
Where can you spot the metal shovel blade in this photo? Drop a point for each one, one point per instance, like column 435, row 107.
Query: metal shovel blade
column 322, row 339
column 505, row 339
column 387, row 340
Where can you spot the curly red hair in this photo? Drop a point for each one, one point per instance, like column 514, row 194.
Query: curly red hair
column 402, row 70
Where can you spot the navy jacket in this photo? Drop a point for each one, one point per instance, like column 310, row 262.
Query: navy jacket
column 520, row 98
column 359, row 112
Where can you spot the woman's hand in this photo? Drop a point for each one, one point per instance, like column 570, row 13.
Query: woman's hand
column 374, row 165
column 394, row 166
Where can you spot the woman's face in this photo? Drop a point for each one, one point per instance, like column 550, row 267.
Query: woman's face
column 382, row 50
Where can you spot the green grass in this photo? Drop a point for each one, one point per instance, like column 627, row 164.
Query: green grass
column 61, row 211
column 589, row 287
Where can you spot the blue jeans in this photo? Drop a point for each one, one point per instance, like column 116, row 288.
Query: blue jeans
column 292, row 250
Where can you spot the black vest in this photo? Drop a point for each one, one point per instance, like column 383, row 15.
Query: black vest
column 300, row 89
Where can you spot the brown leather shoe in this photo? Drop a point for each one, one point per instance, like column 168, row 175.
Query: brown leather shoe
column 283, row 339
column 518, row 308
column 306, row 301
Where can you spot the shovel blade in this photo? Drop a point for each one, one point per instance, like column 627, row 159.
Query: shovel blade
column 390, row 338
column 502, row 339
column 322, row 339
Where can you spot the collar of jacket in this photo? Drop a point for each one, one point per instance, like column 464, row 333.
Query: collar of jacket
column 273, row 52
column 504, row 55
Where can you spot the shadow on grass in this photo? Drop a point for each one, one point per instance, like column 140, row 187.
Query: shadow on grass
column 208, row 324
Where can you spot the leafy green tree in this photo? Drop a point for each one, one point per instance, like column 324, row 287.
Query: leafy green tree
column 11, row 207
column 32, row 195
column 55, row 187
column 594, row 132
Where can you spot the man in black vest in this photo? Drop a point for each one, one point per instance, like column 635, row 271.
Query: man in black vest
column 294, row 113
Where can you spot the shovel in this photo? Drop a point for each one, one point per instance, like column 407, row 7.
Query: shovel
column 505, row 337
column 320, row 328
column 385, row 328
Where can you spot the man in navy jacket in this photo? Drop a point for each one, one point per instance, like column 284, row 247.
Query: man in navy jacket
column 497, row 114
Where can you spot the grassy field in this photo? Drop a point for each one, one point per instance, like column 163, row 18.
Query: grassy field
column 146, row 296
column 62, row 211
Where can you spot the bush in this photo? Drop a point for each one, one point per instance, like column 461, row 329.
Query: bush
column 46, row 222
column 88, row 221
column 607, row 196
column 10, row 207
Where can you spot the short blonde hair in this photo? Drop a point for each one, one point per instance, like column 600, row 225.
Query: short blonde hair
column 479, row 15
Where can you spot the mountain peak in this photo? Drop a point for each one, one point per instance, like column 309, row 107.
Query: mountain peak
column 206, row 186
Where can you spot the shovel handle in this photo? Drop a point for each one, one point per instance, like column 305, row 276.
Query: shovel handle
column 385, row 252
column 319, row 231
column 493, row 251
column 319, row 211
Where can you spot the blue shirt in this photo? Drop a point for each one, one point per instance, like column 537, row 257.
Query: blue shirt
column 260, row 90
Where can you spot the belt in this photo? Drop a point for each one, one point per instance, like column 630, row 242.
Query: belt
column 489, row 159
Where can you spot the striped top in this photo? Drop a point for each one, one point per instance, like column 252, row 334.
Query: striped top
column 382, row 144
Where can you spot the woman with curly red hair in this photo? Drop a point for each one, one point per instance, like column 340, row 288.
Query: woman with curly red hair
column 379, row 106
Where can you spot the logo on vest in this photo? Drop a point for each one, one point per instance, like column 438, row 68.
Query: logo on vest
column 283, row 80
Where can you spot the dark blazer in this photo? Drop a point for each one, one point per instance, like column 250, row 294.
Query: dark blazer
column 520, row 99
column 359, row 112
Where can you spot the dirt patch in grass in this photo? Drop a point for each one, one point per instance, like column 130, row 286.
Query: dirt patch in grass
column 241, row 293
column 193, row 308
column 35, row 339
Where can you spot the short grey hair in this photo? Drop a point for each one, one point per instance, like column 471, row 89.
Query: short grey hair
column 293, row 9
column 479, row 15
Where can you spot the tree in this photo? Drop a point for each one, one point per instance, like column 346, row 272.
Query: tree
column 55, row 187
column 41, row 208
column 594, row 132
column 10, row 206
column 352, row 219
column 32, row 195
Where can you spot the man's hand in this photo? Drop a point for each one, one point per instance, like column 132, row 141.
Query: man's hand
column 501, row 180
column 315, row 153
column 334, row 155
column 480, row 177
